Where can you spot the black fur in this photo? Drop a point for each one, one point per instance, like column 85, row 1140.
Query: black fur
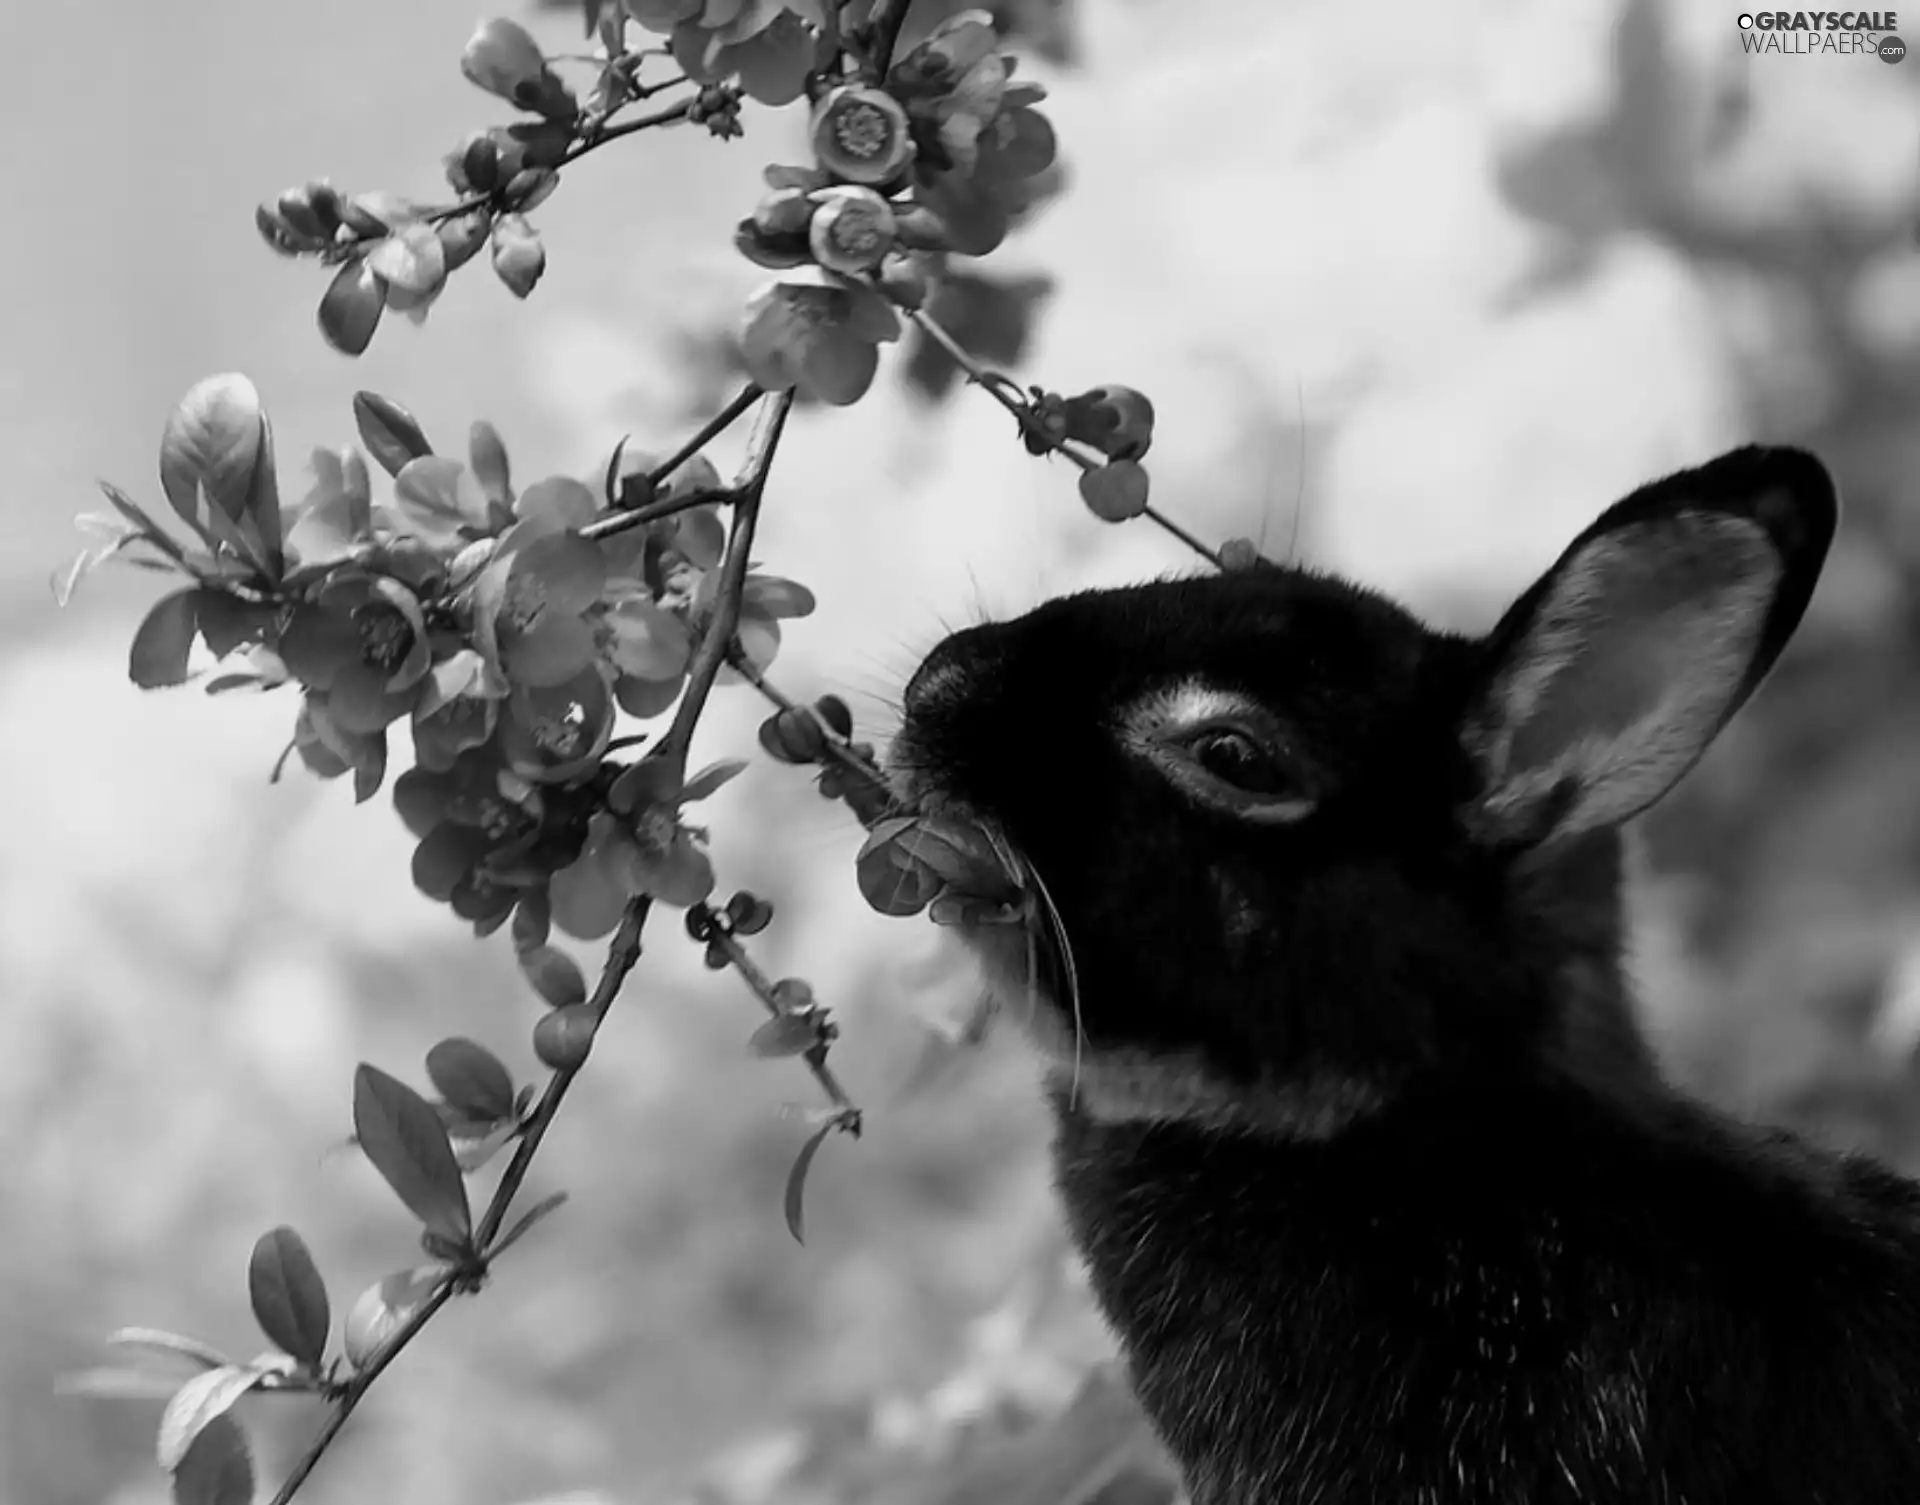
column 1528, row 1270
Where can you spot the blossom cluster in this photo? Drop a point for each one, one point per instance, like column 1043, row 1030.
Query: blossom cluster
column 940, row 156
column 505, row 627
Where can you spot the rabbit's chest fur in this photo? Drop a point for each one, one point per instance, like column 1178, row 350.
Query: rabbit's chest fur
column 1558, row 1306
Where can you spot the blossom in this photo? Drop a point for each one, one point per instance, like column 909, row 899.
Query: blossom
column 458, row 708
column 861, row 134
column 638, row 845
column 465, row 821
column 852, row 230
column 362, row 641
column 531, row 603
column 503, row 58
column 770, row 45
column 555, row 734
column 823, row 339
column 954, row 82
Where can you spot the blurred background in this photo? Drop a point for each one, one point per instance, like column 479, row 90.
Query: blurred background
column 1414, row 297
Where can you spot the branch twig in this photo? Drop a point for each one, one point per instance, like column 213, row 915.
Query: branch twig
column 996, row 387
column 711, row 654
column 634, row 517
column 839, row 747
column 883, row 32
column 763, row 989
column 745, row 398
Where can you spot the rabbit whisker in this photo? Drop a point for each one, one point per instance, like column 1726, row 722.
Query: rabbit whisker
column 1058, row 927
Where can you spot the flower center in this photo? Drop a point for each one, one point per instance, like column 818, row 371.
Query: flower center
column 862, row 131
column 498, row 818
column 386, row 637
column 563, row 737
column 654, row 829
column 858, row 232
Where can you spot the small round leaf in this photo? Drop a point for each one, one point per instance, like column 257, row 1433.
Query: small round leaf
column 471, row 1078
column 158, row 656
column 289, row 1298
column 391, row 434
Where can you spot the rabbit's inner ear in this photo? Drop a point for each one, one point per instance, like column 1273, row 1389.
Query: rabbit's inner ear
column 1624, row 664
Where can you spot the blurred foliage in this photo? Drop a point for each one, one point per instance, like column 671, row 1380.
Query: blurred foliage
column 1796, row 847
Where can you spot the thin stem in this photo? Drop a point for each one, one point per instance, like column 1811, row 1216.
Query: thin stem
column 762, row 988
column 711, row 654
column 668, row 116
column 634, row 517
column 574, row 153
column 358, row 1387
column 623, row 952
column 1210, row 555
column 637, row 517
column 718, row 424
column 840, row 747
column 996, row 387
column 884, row 33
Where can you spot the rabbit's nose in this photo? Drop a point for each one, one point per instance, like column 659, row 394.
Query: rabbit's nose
column 960, row 666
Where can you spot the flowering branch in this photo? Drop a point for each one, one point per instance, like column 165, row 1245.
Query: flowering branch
column 505, row 627
column 622, row 954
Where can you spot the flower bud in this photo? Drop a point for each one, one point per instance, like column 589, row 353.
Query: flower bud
column 776, row 253
column 904, row 281
column 531, row 187
column 563, row 1037
column 785, row 211
column 281, row 235
column 503, row 58
column 462, row 237
column 350, row 308
column 1117, row 421
column 852, row 230
column 835, row 712
column 1239, row 554
column 792, row 736
column 360, row 219
column 1116, row 491
column 518, row 256
column 382, row 1310
column 296, row 208
column 480, row 162
column 920, row 229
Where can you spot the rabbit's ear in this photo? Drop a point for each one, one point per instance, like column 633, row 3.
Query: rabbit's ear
column 1606, row 681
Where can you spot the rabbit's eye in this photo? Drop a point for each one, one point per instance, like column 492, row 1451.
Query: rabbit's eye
column 1222, row 750
column 1235, row 758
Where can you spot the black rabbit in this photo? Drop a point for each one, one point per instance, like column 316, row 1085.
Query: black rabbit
column 1376, row 1182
